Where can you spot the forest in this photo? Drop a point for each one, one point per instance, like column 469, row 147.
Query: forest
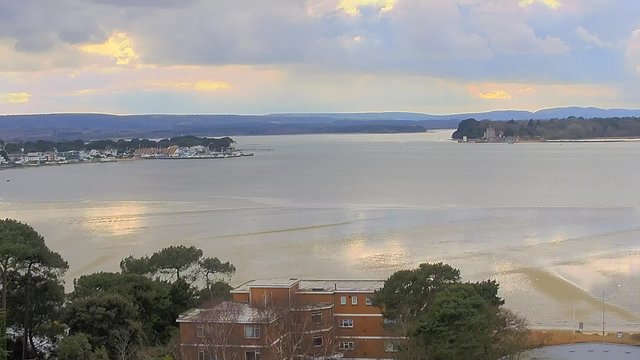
column 571, row 128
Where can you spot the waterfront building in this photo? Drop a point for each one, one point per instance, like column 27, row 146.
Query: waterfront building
column 267, row 319
column 154, row 152
column 490, row 134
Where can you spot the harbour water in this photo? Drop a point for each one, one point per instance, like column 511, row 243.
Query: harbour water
column 555, row 224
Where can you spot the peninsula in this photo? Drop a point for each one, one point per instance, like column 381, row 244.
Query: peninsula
column 42, row 152
column 570, row 128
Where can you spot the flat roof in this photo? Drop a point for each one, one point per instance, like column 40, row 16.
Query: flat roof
column 341, row 285
column 586, row 351
column 229, row 312
column 266, row 283
column 314, row 285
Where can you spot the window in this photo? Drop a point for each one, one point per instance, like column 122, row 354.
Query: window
column 354, row 300
column 317, row 341
column 347, row 345
column 346, row 323
column 200, row 330
column 316, row 318
column 251, row 332
column 252, row 355
column 343, row 300
column 201, row 354
column 369, row 301
column 390, row 346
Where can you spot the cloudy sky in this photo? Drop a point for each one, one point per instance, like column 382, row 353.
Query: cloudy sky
column 262, row 56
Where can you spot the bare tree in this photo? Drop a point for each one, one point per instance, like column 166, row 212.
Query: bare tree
column 295, row 334
column 512, row 337
column 219, row 331
column 122, row 341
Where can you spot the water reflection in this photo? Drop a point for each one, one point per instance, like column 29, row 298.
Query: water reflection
column 115, row 219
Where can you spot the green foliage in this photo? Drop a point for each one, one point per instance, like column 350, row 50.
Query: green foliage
column 100, row 353
column 139, row 266
column 152, row 298
column 446, row 319
column 176, row 261
column 183, row 296
column 457, row 325
column 25, row 256
column 46, row 301
column 408, row 293
column 101, row 316
column 77, row 347
column 172, row 263
column 121, row 145
column 218, row 290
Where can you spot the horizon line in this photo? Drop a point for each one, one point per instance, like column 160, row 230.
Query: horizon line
column 317, row 113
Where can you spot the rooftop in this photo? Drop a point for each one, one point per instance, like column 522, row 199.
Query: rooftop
column 271, row 283
column 341, row 285
column 229, row 312
column 588, row 351
column 314, row 285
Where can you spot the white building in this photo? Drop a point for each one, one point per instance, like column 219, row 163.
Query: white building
column 36, row 157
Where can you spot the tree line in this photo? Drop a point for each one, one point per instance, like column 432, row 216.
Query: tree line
column 571, row 128
column 120, row 145
column 126, row 315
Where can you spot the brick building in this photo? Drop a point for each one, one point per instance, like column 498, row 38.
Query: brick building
column 290, row 318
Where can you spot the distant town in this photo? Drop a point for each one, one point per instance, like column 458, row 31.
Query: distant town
column 45, row 153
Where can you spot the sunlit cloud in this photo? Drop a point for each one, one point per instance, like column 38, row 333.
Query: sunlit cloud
column 551, row 4
column 352, row 7
column 118, row 46
column 527, row 89
column 15, row 98
column 82, row 92
column 202, row 85
column 357, row 38
column 206, row 85
column 494, row 95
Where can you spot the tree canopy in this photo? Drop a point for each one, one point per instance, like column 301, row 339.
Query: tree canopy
column 571, row 128
column 408, row 293
column 444, row 318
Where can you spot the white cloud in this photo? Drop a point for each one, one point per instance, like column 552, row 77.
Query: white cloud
column 632, row 51
column 587, row 37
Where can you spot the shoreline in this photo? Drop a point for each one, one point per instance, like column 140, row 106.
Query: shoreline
column 597, row 140
column 23, row 167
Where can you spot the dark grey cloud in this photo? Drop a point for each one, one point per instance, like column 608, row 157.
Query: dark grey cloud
column 471, row 39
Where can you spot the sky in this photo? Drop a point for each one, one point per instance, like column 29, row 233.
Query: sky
column 266, row 56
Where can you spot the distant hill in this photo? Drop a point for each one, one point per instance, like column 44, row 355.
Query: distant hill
column 103, row 126
column 498, row 115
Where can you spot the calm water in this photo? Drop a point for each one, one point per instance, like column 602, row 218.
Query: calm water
column 556, row 224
